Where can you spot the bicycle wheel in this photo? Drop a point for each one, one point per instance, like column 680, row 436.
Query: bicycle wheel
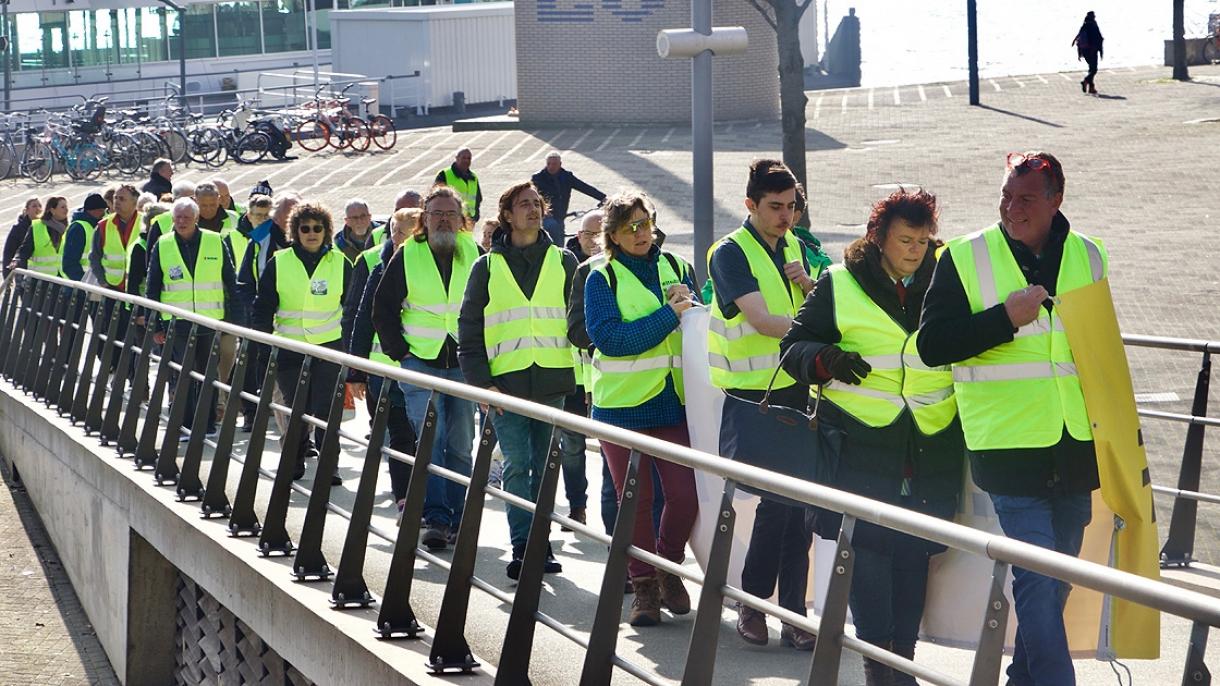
column 150, row 149
column 207, row 147
column 8, row 155
column 38, row 161
column 175, row 143
column 357, row 133
column 340, row 138
column 124, row 154
column 313, row 135
column 382, row 131
column 88, row 162
column 252, row 147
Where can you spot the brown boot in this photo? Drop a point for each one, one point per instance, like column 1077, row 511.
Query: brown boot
column 877, row 674
column 578, row 514
column 907, row 650
column 751, row 625
column 798, row 638
column 646, row 604
column 673, row 593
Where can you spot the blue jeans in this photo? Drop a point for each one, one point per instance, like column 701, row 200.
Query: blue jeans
column 575, row 482
column 524, row 443
column 554, row 228
column 451, row 447
column 1057, row 522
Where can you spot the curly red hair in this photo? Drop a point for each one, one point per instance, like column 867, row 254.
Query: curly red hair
column 917, row 208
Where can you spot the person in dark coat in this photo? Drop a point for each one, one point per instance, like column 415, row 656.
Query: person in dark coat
column 556, row 185
column 892, row 460
column 17, row 234
column 160, row 181
column 1088, row 42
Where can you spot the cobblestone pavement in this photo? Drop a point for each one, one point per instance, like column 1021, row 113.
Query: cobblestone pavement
column 45, row 637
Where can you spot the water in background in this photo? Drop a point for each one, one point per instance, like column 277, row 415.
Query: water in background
column 905, row 41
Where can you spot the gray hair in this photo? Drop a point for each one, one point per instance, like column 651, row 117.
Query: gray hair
column 207, row 188
column 183, row 189
column 185, row 204
column 145, row 200
column 355, row 202
column 554, row 154
column 283, row 199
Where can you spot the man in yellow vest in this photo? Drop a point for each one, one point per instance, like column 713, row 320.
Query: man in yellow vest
column 78, row 239
column 760, row 277
column 187, row 269
column 513, row 339
column 164, row 223
column 989, row 313
column 414, row 313
column 236, row 242
column 460, row 178
column 108, row 257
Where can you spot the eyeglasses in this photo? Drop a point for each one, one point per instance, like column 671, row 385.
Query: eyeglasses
column 637, row 226
column 1018, row 159
column 366, row 215
column 449, row 215
column 311, row 228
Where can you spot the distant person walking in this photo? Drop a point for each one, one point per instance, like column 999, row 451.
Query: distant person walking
column 556, row 185
column 1088, row 48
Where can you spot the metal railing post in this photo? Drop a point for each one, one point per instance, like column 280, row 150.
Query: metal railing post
column 242, row 520
column 701, row 655
column 15, row 328
column 274, row 538
column 127, row 441
column 29, row 368
column 99, row 324
column 146, row 448
column 189, row 486
column 1196, row 672
column 829, row 649
column 309, row 563
column 7, row 307
column 72, row 367
column 350, row 588
column 59, row 365
column 165, row 472
column 30, row 328
column 51, row 345
column 450, row 651
column 396, row 618
column 1180, row 542
column 93, row 414
column 990, row 651
column 214, row 501
column 110, row 422
column 519, row 635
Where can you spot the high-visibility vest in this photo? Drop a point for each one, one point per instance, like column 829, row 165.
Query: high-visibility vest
column 738, row 354
column 131, row 250
column 372, row 258
column 238, row 243
column 45, row 258
column 631, row 380
column 430, row 310
column 469, row 190
column 899, row 378
column 1023, row 393
column 88, row 230
column 379, row 236
column 227, row 225
column 201, row 291
column 311, row 307
column 519, row 332
column 114, row 250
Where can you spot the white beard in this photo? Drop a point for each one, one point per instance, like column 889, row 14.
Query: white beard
column 443, row 243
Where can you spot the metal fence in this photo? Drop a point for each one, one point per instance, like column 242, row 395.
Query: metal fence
column 59, row 340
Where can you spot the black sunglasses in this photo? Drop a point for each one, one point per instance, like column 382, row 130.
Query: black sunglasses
column 311, row 228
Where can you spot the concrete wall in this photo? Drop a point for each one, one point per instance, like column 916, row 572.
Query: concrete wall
column 116, row 532
column 595, row 61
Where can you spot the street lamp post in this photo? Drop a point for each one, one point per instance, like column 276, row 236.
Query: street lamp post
column 972, row 49
column 313, row 39
column 8, row 50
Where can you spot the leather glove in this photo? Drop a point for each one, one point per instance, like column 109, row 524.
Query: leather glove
column 844, row 366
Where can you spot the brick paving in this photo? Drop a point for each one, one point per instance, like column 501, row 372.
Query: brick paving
column 45, row 636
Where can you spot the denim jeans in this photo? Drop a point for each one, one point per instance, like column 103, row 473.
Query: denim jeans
column 1040, row 656
column 525, row 443
column 888, row 590
column 451, row 444
column 575, row 482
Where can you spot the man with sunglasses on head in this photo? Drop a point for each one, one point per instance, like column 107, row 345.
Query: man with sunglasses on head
column 989, row 313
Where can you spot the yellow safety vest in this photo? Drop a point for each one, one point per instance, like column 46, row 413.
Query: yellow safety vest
column 739, row 355
column 430, row 310
column 311, row 307
column 89, row 229
column 228, row 225
column 238, row 243
column 520, row 332
column 372, row 258
column 899, row 378
column 114, row 251
column 1021, row 394
column 45, row 258
column 469, row 190
column 632, row 380
column 131, row 249
column 201, row 291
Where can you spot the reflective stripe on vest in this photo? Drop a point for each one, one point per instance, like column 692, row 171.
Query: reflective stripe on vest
column 740, row 356
column 131, row 249
column 520, row 332
column 899, row 379
column 1023, row 393
column 632, row 380
column 114, row 251
column 45, row 257
column 469, row 190
column 201, row 291
column 430, row 310
column 311, row 306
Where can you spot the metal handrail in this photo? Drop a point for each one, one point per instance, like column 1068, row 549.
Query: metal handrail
column 1197, row 607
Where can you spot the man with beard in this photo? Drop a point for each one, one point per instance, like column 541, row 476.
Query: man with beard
column 524, row 356
column 415, row 315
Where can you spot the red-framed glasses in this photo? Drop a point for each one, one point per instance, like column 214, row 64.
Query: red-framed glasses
column 1018, row 159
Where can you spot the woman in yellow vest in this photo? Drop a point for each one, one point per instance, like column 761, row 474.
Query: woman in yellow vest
column 633, row 309
column 890, row 420
column 40, row 250
column 300, row 297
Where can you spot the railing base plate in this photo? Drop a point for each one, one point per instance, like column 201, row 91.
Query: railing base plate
column 412, row 630
column 466, row 666
column 353, row 603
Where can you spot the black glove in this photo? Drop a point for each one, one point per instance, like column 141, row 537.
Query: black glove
column 844, row 366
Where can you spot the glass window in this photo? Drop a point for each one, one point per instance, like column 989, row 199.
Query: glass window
column 91, row 37
column 200, row 32
column 323, row 8
column 42, row 40
column 153, row 26
column 284, row 25
column 239, row 32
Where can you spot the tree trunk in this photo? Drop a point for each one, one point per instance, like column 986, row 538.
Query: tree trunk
column 792, row 98
column 1179, row 41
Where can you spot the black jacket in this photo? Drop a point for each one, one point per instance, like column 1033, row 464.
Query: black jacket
column 557, row 189
column 950, row 333
column 157, row 185
column 190, row 253
column 358, row 308
column 249, row 272
column 14, row 241
column 536, row 383
column 578, row 335
column 387, row 312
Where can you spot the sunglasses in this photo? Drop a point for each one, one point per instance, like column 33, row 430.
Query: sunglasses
column 638, row 226
column 311, row 228
column 1016, row 160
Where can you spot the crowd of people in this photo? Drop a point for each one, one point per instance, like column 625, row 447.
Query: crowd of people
column 915, row 355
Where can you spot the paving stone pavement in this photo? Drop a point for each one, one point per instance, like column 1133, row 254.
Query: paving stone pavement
column 45, row 636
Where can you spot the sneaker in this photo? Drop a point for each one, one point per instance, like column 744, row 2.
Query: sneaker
column 336, row 480
column 436, row 538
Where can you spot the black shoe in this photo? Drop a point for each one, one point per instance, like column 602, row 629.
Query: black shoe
column 551, row 566
column 247, row 423
column 1084, row 86
column 336, row 480
column 299, row 472
column 514, row 568
column 436, row 538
